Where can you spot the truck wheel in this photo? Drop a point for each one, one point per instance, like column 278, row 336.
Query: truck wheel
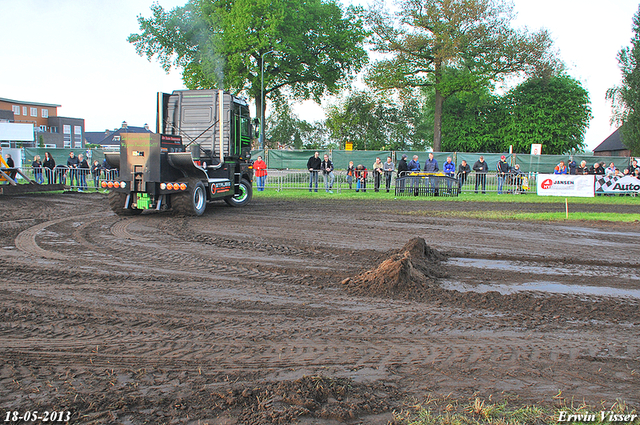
column 192, row 202
column 241, row 199
column 116, row 202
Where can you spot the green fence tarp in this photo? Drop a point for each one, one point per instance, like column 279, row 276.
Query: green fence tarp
column 367, row 158
column 60, row 155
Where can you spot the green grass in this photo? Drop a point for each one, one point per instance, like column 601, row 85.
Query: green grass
column 463, row 197
column 446, row 411
column 548, row 216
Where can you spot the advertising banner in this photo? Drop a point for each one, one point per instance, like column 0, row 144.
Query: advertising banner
column 621, row 185
column 565, row 185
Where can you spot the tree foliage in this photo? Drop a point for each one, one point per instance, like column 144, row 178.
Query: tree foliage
column 286, row 130
column 375, row 123
column 317, row 47
column 430, row 36
column 626, row 97
column 554, row 111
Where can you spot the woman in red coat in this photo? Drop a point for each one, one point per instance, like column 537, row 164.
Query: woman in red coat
column 260, row 170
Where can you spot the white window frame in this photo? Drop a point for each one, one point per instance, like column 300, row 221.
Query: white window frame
column 45, row 113
column 77, row 129
column 67, row 143
column 77, row 144
column 33, row 112
column 24, row 111
column 66, row 129
column 15, row 109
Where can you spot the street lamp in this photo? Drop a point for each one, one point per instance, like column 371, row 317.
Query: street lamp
column 262, row 95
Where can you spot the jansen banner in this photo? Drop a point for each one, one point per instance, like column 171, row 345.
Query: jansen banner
column 621, row 185
column 565, row 185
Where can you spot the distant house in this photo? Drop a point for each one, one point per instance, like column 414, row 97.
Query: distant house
column 612, row 146
column 111, row 139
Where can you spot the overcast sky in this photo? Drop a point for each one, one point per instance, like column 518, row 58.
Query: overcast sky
column 75, row 53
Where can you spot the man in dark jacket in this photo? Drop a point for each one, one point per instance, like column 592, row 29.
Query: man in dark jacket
column 481, row 168
column 73, row 163
column 314, row 164
column 502, row 168
column 431, row 164
column 403, row 169
column 11, row 164
column 463, row 171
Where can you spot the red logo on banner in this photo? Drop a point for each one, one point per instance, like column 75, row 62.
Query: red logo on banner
column 546, row 184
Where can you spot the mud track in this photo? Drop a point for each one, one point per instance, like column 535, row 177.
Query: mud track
column 241, row 316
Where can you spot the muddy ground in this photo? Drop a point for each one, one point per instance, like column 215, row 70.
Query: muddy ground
column 280, row 312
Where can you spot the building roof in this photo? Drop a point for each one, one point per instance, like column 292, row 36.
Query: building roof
column 6, row 115
column 612, row 143
column 49, row 105
column 107, row 137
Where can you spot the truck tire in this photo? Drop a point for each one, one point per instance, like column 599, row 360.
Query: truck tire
column 116, row 202
column 191, row 202
column 244, row 197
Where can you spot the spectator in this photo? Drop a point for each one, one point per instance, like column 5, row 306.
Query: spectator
column 37, row 169
column 636, row 174
column 560, row 168
column 361, row 178
column 95, row 173
column 633, row 167
column 481, row 168
column 11, row 166
column 414, row 167
column 72, row 163
column 388, row 172
column 596, row 169
column 517, row 178
column 378, row 170
column 431, row 164
column 327, row 174
column 49, row 164
column 351, row 172
column 313, row 164
column 611, row 170
column 83, row 170
column 463, row 171
column 403, row 170
column 571, row 165
column 449, row 169
column 260, row 168
column 582, row 169
column 502, row 168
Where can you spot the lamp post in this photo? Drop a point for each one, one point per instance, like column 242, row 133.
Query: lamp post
column 262, row 97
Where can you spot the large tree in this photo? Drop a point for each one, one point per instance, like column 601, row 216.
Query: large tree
column 553, row 111
column 309, row 47
column 426, row 37
column 626, row 97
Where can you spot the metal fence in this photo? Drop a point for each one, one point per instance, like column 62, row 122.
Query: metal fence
column 303, row 180
column 73, row 178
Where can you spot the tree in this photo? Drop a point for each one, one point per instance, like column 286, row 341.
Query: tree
column 285, row 129
column 374, row 123
column 430, row 36
column 554, row 111
column 317, row 47
column 625, row 98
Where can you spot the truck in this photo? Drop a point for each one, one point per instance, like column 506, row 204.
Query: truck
column 200, row 153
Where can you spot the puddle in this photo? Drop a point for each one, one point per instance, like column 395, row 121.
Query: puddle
column 551, row 269
column 546, row 287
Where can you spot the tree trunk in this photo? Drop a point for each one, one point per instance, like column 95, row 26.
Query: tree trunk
column 437, row 122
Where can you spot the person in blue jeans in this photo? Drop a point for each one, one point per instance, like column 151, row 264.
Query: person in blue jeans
column 449, row 169
column 503, row 169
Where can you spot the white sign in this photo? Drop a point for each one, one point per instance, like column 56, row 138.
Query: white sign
column 566, row 185
column 536, row 149
column 624, row 184
column 13, row 132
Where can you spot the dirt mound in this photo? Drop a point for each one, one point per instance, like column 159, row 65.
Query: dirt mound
column 412, row 269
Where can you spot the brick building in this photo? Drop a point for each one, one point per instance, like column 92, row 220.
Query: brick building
column 49, row 129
